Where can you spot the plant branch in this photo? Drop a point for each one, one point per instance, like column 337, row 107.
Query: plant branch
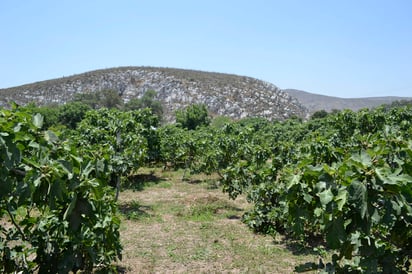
column 15, row 224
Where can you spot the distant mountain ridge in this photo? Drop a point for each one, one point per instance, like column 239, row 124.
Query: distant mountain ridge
column 224, row 94
column 314, row 102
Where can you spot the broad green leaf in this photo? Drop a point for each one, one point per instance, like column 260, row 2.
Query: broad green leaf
column 326, row 197
column 21, row 211
column 38, row 120
column 307, row 197
column 294, row 180
column 357, row 196
column 31, row 163
column 6, row 184
column 75, row 220
column 375, row 216
column 12, row 155
column 17, row 127
column 335, row 233
column 50, row 136
column 396, row 206
column 67, row 168
column 362, row 158
column 56, row 192
column 389, row 178
column 341, row 198
column 34, row 144
column 78, row 160
column 321, row 185
column 354, row 238
column 318, row 212
column 70, row 208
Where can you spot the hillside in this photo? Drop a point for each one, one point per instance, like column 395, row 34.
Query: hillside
column 314, row 102
column 224, row 94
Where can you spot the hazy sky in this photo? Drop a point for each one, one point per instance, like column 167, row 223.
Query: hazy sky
column 340, row 48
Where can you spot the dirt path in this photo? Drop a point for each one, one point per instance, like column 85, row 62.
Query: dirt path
column 175, row 226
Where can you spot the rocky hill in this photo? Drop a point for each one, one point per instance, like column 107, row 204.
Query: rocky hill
column 314, row 102
column 224, row 94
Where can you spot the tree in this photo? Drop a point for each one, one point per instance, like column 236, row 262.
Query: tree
column 398, row 103
column 49, row 112
column 72, row 113
column 89, row 98
column 105, row 98
column 193, row 116
column 220, row 121
column 319, row 114
column 110, row 99
column 146, row 101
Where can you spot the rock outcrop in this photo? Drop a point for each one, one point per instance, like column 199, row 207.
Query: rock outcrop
column 224, row 94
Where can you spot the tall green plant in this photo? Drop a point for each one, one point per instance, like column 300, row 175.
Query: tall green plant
column 346, row 181
column 57, row 212
column 124, row 140
column 193, row 116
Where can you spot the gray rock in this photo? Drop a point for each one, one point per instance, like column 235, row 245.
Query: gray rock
column 224, row 94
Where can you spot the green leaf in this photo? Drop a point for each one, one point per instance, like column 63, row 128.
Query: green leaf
column 38, row 120
column 396, row 206
column 12, row 154
column 70, row 208
column 335, row 233
column 357, row 196
column 321, row 185
column 362, row 158
column 318, row 212
column 21, row 211
column 34, row 144
column 355, row 238
column 294, row 180
column 17, row 127
column 51, row 137
column 32, row 163
column 56, row 192
column 67, row 167
column 375, row 216
column 307, row 197
column 387, row 177
column 341, row 198
column 76, row 159
column 6, row 186
column 326, row 197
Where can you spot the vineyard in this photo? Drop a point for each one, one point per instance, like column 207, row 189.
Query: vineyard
column 341, row 182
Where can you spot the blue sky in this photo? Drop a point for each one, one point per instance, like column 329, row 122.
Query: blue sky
column 340, row 48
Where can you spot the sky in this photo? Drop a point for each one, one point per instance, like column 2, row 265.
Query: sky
column 346, row 48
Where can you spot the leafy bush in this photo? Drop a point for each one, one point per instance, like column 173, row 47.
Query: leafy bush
column 193, row 116
column 146, row 101
column 70, row 114
column 57, row 212
column 347, row 181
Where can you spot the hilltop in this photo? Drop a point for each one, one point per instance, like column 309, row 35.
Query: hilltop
column 224, row 94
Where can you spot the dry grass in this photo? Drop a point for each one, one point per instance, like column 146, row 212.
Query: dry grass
column 175, row 226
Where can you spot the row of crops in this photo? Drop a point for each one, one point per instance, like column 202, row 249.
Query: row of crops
column 344, row 180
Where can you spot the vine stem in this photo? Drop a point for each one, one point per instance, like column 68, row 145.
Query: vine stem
column 15, row 224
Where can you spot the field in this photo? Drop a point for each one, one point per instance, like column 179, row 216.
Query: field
column 175, row 226
column 341, row 184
